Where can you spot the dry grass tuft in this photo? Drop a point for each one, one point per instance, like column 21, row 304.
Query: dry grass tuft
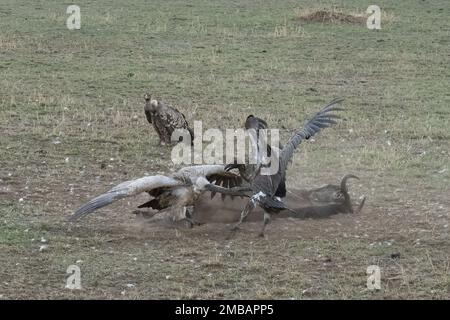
column 329, row 15
column 336, row 15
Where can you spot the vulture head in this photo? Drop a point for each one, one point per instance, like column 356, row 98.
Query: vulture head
column 150, row 102
column 255, row 123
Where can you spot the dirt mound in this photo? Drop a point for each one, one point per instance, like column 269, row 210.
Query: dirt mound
column 330, row 16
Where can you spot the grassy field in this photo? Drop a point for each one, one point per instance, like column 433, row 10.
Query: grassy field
column 72, row 125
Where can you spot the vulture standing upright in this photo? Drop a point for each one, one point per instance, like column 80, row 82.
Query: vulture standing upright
column 248, row 171
column 165, row 119
column 264, row 187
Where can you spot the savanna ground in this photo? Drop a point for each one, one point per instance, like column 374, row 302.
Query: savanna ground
column 72, row 125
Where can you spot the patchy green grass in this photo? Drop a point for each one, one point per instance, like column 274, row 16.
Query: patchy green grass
column 68, row 107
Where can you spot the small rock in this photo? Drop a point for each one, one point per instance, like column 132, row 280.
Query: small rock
column 230, row 254
column 43, row 248
column 395, row 255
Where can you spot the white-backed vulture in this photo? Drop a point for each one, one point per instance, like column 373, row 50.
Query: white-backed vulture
column 176, row 192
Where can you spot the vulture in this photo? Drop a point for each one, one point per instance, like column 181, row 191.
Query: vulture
column 165, row 119
column 176, row 193
column 249, row 171
column 264, row 187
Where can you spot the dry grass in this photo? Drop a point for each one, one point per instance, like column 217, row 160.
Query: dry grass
column 72, row 123
column 337, row 15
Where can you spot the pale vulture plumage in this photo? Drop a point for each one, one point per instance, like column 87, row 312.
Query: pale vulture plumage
column 176, row 193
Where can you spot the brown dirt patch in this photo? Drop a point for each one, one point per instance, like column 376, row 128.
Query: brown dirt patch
column 330, row 16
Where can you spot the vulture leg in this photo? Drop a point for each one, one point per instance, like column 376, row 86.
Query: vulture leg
column 266, row 222
column 361, row 205
column 248, row 208
column 189, row 219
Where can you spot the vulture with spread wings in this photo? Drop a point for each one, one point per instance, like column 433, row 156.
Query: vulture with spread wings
column 176, row 193
column 263, row 187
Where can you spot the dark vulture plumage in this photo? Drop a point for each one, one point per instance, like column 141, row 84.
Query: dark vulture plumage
column 165, row 119
column 264, row 187
column 249, row 171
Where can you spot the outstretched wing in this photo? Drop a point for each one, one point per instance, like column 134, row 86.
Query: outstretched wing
column 226, row 180
column 322, row 119
column 199, row 171
column 269, row 184
column 123, row 190
column 210, row 175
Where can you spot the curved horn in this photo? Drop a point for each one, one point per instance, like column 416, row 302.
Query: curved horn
column 361, row 205
column 344, row 181
column 123, row 190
